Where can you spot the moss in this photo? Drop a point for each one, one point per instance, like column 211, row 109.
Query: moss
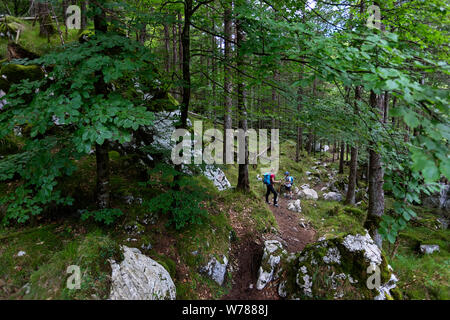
column 168, row 264
column 15, row 73
column 325, row 277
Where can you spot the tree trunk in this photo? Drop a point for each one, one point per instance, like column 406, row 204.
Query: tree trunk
column 167, row 46
column 352, row 177
column 299, row 145
column 243, row 183
column 186, row 44
column 46, row 28
column 341, row 159
column 350, row 198
column 83, row 14
column 101, row 151
column 227, row 123
column 376, row 181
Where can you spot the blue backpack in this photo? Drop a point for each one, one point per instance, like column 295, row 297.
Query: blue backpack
column 266, row 179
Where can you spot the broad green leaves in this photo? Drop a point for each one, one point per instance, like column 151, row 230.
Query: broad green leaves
column 67, row 115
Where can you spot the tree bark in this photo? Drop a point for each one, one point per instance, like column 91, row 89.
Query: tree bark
column 46, row 28
column 299, row 145
column 186, row 56
column 167, row 46
column 101, row 151
column 376, row 181
column 243, row 181
column 350, row 198
column 227, row 123
column 341, row 159
column 83, row 15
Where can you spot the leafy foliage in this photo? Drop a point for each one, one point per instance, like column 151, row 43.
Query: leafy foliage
column 67, row 115
column 182, row 196
column 107, row 216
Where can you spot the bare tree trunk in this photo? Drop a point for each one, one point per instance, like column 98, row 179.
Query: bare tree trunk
column 227, row 84
column 101, row 151
column 46, row 28
column 350, row 198
column 376, row 181
column 243, row 181
column 299, row 145
column 167, row 46
column 186, row 44
column 341, row 159
column 83, row 14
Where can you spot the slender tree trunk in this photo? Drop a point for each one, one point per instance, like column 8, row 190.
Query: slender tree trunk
column 186, row 63
column 352, row 177
column 227, row 123
column 101, row 151
column 299, row 145
column 341, row 159
column 83, row 15
column 167, row 46
column 46, row 28
column 243, row 181
column 376, row 181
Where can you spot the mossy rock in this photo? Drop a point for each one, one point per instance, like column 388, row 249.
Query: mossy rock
column 338, row 268
column 15, row 73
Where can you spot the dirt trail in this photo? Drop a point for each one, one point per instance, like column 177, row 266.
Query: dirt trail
column 247, row 253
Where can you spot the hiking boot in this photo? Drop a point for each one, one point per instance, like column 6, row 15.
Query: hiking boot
column 276, row 205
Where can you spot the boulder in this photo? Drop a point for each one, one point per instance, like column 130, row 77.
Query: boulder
column 429, row 248
column 295, row 206
column 268, row 271
column 215, row 269
column 217, row 176
column 332, row 196
column 346, row 267
column 309, row 194
column 138, row 277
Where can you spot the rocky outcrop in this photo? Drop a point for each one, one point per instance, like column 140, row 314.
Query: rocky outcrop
column 347, row 267
column 295, row 206
column 440, row 200
column 138, row 277
column 308, row 194
column 429, row 248
column 215, row 269
column 332, row 196
column 217, row 176
column 273, row 252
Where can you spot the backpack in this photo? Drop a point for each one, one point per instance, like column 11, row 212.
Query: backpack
column 266, row 179
column 291, row 179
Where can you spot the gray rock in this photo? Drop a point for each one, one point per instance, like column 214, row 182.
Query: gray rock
column 332, row 196
column 273, row 251
column 295, row 206
column 322, row 270
column 443, row 223
column 308, row 194
column 216, row 270
column 429, row 248
column 21, row 253
column 217, row 176
column 138, row 277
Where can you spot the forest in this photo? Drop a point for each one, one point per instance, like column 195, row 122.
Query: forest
column 224, row 150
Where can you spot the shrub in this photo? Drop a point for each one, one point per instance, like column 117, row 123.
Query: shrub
column 182, row 196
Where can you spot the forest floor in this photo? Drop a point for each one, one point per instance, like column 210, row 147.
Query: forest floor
column 236, row 225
